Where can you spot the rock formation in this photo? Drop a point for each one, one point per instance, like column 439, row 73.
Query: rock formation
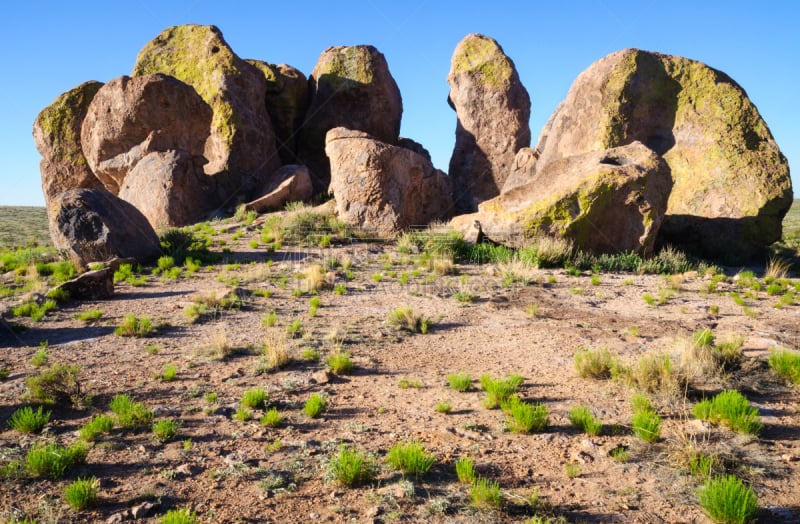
column 132, row 117
column 731, row 185
column 241, row 146
column 287, row 101
column 57, row 135
column 607, row 201
column 93, row 224
column 349, row 87
column 493, row 110
column 292, row 183
column 382, row 187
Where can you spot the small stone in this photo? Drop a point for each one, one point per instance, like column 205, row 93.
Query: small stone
column 320, row 377
column 143, row 510
column 116, row 518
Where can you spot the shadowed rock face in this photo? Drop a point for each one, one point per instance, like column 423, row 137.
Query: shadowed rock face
column 91, row 225
column 57, row 135
column 726, row 168
column 382, row 187
column 493, row 110
column 130, row 118
column 241, row 146
column 350, row 87
column 607, row 201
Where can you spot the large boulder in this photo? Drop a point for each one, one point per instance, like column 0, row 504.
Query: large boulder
column 170, row 189
column 382, row 187
column 731, row 185
column 93, row 224
column 292, row 183
column 608, row 201
column 287, row 101
column 349, row 87
column 241, row 146
column 130, row 118
column 493, row 110
column 57, row 135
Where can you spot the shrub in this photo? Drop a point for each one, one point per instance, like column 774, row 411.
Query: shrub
column 272, row 418
column 727, row 500
column 351, row 467
column 339, row 363
column 275, row 350
column 52, row 460
column 41, row 357
column 35, row 311
column 524, row 417
column 57, row 384
column 168, row 372
column 255, row 398
column 311, row 355
column 130, row 414
column 582, row 418
column 295, row 329
column 165, row 430
column 404, row 318
column 465, row 470
column 132, row 326
column 26, row 420
column 315, row 405
column 270, row 319
column 411, row 458
column 732, row 409
column 646, row 425
column 179, row 516
column 96, row 427
column 443, row 407
column 82, row 493
column 242, row 414
column 498, row 391
column 486, row 493
column 594, row 363
column 786, row 364
column 656, row 374
column 460, row 381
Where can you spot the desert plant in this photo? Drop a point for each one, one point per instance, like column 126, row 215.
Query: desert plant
column 133, row 326
column 96, row 427
column 573, row 469
column 351, row 467
column 168, row 372
column 498, row 391
column 89, row 315
column 315, row 405
column 340, row 289
column 57, row 384
column 179, row 516
column 295, row 329
column 165, row 430
column 728, row 500
column 34, row 310
column 129, row 414
column 272, row 418
column 486, row 493
column 339, row 363
column 465, row 470
column 524, row 417
column 443, row 407
column 52, row 460
column 656, row 374
column 786, row 364
column 411, row 458
column 275, row 350
column 460, row 381
column 5, row 371
column 255, row 398
column 26, row 420
column 270, row 319
column 311, row 355
column 646, row 425
column 732, row 409
column 620, row 454
column 41, row 357
column 242, row 414
column 582, row 418
column 594, row 363
column 82, row 493
column 404, row 318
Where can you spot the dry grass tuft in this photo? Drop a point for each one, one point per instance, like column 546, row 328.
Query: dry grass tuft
column 275, row 351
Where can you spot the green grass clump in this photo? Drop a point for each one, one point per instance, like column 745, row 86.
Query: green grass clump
column 524, row 417
column 130, row 414
column 351, row 467
column 498, row 391
column 57, row 384
column 443, row 407
column 32, row 309
column 165, row 430
column 311, row 355
column 646, row 425
column 339, row 363
column 732, row 409
column 404, row 318
column 97, row 426
column 82, row 493
column 786, row 364
column 460, row 381
column 728, row 500
column 465, row 470
column 255, row 398
column 315, row 405
column 411, row 458
column 179, row 516
column 133, row 326
column 582, row 418
column 242, row 414
column 486, row 493
column 89, row 315
column 41, row 357
column 594, row 363
column 655, row 374
column 271, row 418
column 270, row 319
column 52, row 460
column 26, row 420
column 168, row 372
column 295, row 329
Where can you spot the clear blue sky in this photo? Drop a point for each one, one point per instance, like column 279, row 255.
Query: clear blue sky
column 51, row 47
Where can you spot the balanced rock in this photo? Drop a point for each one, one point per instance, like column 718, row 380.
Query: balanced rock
column 93, row 224
column 57, row 135
column 241, row 146
column 731, row 185
column 382, row 187
column 350, row 87
column 130, row 118
column 291, row 183
column 608, row 201
column 170, row 189
column 287, row 101
column 493, row 110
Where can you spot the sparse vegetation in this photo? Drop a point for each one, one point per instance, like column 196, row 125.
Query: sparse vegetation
column 732, row 409
column 82, row 493
column 351, row 467
column 129, row 414
column 99, row 425
column 405, row 318
column 498, row 391
column 443, row 407
column 26, row 420
column 646, row 425
column 179, row 516
column 460, row 381
column 524, row 417
column 339, row 363
column 272, row 418
column 411, row 458
column 465, row 470
column 594, row 363
column 486, row 493
column 57, row 384
column 315, row 405
column 582, row 418
column 256, row 398
column 165, row 430
column 52, row 460
column 786, row 364
column 133, row 326
column 728, row 500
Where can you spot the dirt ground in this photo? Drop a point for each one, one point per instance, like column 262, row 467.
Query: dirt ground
column 245, row 472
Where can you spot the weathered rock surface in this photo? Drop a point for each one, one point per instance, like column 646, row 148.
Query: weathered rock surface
column 292, row 184
column 606, row 201
column 350, row 87
column 130, row 118
column 382, row 187
column 287, row 101
column 731, row 183
column 91, row 285
column 93, row 224
column 522, row 168
column 493, row 110
column 241, row 146
column 57, row 135
column 170, row 189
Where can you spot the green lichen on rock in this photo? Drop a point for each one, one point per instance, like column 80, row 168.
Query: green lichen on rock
column 347, row 67
column 482, row 56
column 60, row 122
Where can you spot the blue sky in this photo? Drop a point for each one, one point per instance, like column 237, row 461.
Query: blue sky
column 54, row 46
